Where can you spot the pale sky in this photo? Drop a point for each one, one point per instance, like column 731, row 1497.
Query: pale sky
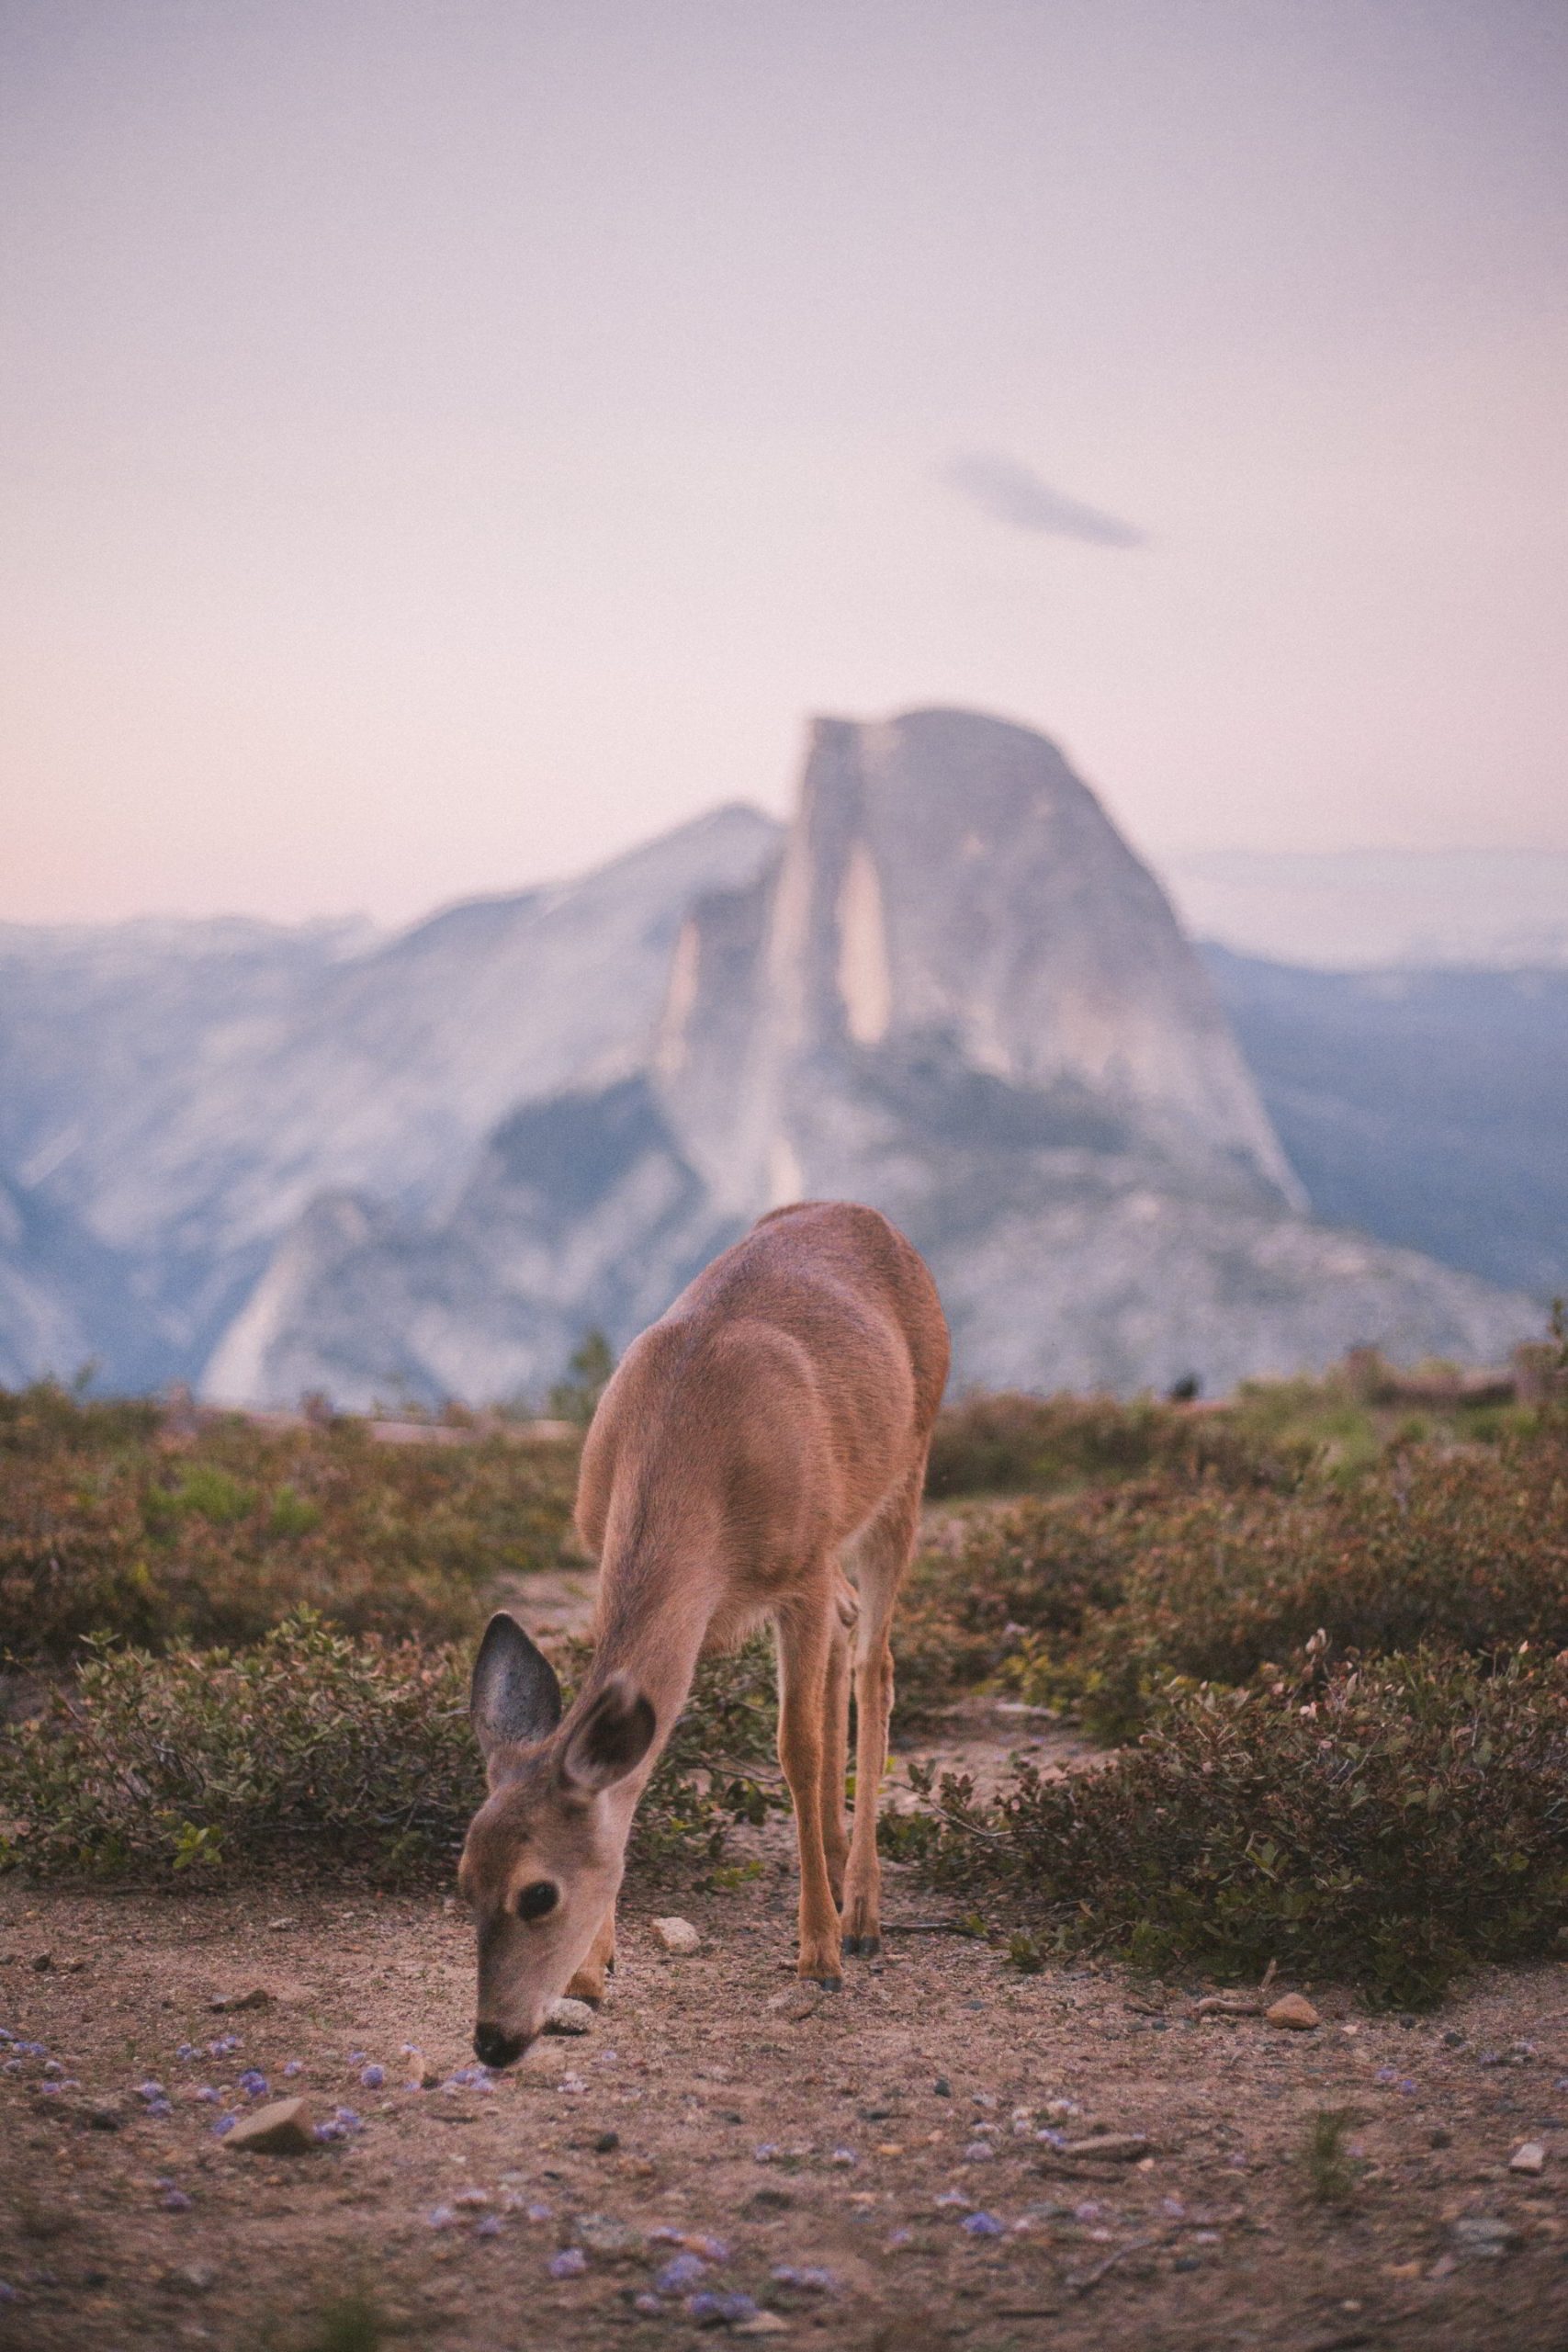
column 445, row 441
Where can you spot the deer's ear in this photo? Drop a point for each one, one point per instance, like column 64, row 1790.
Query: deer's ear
column 514, row 1697
column 610, row 1738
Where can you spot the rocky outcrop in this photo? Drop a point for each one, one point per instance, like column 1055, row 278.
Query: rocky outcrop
column 954, row 992
column 174, row 1097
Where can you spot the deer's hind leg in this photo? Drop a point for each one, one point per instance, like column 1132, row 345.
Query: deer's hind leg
column 882, row 1556
column 807, row 1628
column 836, row 1742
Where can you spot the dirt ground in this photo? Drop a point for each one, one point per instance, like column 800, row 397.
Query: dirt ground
column 862, row 2169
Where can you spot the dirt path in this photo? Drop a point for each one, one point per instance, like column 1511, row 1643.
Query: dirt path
column 827, row 2156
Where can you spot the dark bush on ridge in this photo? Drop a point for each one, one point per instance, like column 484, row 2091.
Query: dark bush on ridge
column 1406, row 1819
column 108, row 1527
column 1092, row 1599
column 1008, row 1443
column 315, row 1744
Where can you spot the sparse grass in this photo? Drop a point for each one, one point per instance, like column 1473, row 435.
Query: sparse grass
column 108, row 1528
column 1332, row 2173
column 1090, row 1601
column 350, row 2322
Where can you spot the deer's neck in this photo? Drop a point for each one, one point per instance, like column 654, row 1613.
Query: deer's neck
column 659, row 1587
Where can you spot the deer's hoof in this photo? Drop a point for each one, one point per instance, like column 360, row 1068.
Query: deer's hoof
column 864, row 1947
column 828, row 1983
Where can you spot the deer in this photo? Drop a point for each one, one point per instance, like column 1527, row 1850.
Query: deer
column 758, row 1446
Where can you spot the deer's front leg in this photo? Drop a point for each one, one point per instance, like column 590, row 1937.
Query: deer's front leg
column 804, row 1645
column 588, row 1985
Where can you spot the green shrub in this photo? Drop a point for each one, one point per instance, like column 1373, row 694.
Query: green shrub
column 1091, row 1600
column 1008, row 1443
column 106, row 1527
column 1406, row 1818
column 312, row 1743
column 1270, row 1433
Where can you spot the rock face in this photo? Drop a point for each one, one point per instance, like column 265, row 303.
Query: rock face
column 952, row 991
column 176, row 1098
column 424, row 1167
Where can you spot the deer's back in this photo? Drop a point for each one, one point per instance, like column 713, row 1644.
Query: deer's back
column 789, row 1389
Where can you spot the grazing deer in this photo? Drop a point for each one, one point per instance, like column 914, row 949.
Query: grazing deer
column 777, row 1417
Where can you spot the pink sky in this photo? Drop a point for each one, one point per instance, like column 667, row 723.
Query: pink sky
column 440, row 445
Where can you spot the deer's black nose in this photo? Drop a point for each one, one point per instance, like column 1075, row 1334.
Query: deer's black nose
column 493, row 2047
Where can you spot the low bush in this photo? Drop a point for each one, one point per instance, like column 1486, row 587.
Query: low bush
column 106, row 1526
column 1091, row 1600
column 314, row 1743
column 1404, row 1819
column 1003, row 1443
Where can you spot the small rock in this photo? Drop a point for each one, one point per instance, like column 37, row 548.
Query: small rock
column 610, row 2240
column 606, row 2143
column 1293, row 2014
column 227, row 2004
column 191, row 2279
column 1441, row 2137
column 1228, row 2005
column 765, row 2202
column 1528, row 2156
column 280, row 1926
column 762, row 2324
column 1483, row 2235
column 104, row 2115
column 285, row 2127
column 569, row 2017
column 1110, row 2147
column 44, row 1963
column 677, row 1937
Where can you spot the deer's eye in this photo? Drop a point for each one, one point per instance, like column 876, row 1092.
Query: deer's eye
column 536, row 1899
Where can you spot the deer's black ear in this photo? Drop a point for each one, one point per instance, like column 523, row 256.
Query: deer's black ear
column 610, row 1738
column 514, row 1696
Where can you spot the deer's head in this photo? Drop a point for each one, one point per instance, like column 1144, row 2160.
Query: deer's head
column 543, row 1858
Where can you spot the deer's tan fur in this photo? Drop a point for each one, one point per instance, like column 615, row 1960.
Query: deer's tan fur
column 772, row 1427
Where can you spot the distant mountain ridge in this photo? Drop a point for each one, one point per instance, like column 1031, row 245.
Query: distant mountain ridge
column 951, row 990
column 179, row 1094
column 270, row 1161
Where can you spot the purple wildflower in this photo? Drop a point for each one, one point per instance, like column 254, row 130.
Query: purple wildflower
column 711, row 2249
column 252, row 2082
column 490, row 2227
column 569, row 2263
column 224, row 2125
column 982, row 2225
column 806, row 2274
column 176, row 2201
column 373, row 2078
column 440, row 2217
column 295, row 2066
column 683, row 2272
